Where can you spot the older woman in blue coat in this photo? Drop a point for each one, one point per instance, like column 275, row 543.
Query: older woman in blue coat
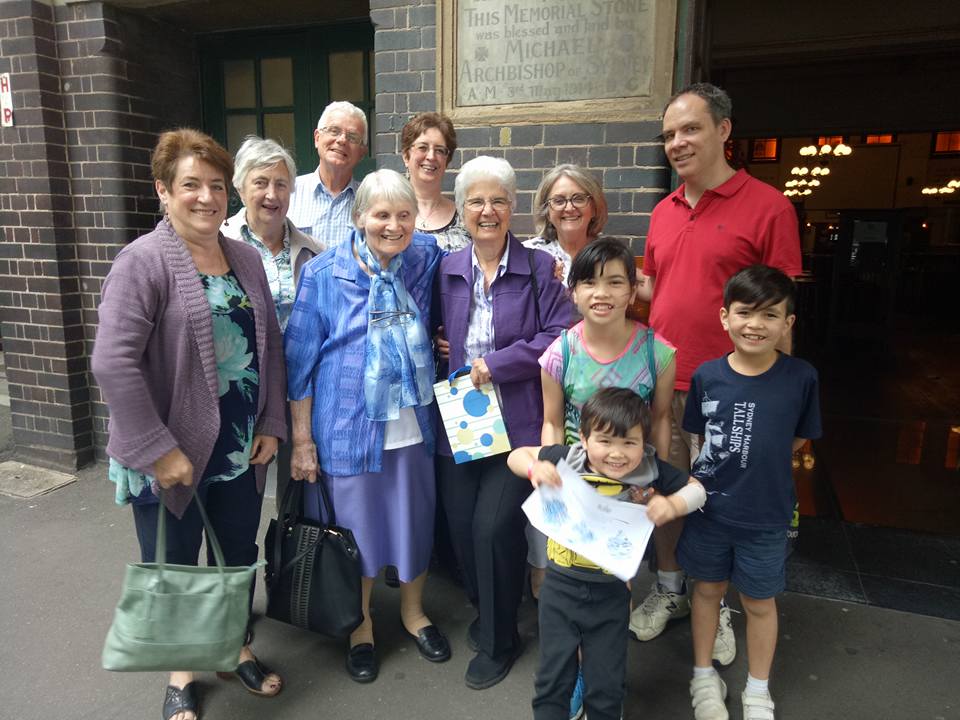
column 360, row 368
column 501, row 306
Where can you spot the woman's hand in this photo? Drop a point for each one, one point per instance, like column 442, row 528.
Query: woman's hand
column 479, row 373
column 263, row 450
column 642, row 495
column 303, row 463
column 443, row 345
column 174, row 468
column 558, row 270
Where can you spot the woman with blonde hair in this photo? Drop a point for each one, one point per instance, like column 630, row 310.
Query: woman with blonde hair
column 569, row 211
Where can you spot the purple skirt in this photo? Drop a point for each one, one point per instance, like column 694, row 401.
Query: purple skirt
column 391, row 512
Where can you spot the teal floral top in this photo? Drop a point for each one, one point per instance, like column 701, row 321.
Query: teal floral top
column 279, row 272
column 238, row 372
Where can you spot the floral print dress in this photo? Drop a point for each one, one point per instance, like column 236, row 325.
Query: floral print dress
column 238, row 375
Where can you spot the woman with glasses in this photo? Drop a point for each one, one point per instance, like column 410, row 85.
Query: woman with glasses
column 427, row 143
column 569, row 211
column 501, row 307
column 360, row 369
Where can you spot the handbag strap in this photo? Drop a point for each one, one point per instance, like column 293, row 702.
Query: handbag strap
column 161, row 552
column 291, row 509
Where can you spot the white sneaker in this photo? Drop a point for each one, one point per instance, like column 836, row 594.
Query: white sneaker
column 651, row 617
column 725, row 644
column 708, row 695
column 757, row 707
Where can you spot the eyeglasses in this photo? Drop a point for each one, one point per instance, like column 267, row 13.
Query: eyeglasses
column 578, row 200
column 438, row 150
column 499, row 204
column 391, row 317
column 335, row 131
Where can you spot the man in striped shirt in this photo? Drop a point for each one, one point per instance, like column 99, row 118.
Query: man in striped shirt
column 322, row 200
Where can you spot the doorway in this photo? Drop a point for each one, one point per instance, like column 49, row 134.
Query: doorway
column 276, row 84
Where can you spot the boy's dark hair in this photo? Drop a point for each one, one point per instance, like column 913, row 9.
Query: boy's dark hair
column 760, row 286
column 600, row 252
column 615, row 411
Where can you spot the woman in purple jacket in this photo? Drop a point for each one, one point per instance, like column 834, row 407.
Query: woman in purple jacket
column 501, row 306
column 190, row 362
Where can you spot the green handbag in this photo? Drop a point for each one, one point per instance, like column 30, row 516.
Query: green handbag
column 180, row 617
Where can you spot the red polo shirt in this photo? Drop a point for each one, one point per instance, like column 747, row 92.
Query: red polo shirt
column 692, row 252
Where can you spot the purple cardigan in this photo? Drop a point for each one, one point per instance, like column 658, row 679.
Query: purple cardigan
column 514, row 363
column 154, row 357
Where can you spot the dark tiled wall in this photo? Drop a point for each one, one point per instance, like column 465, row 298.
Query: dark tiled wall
column 92, row 88
column 624, row 156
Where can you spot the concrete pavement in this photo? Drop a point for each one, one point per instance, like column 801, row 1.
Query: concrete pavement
column 62, row 563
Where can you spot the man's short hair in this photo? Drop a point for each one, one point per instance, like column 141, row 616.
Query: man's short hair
column 599, row 253
column 718, row 102
column 760, row 286
column 346, row 108
column 615, row 411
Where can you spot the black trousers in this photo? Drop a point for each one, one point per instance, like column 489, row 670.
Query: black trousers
column 588, row 615
column 234, row 511
column 482, row 502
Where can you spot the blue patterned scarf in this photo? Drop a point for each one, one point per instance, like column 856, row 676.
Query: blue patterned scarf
column 398, row 358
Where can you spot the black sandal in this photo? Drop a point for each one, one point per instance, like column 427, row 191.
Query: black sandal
column 252, row 674
column 181, row 700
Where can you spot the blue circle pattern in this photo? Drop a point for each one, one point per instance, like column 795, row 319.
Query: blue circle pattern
column 475, row 403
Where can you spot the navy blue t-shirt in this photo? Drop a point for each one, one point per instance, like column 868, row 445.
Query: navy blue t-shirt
column 748, row 424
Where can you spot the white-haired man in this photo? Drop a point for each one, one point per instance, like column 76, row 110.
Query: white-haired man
column 322, row 200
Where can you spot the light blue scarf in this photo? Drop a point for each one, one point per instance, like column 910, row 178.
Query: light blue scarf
column 398, row 358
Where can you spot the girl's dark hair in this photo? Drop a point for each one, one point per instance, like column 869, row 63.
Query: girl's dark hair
column 599, row 253
column 615, row 411
column 760, row 286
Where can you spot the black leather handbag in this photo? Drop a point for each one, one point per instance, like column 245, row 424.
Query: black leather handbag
column 313, row 568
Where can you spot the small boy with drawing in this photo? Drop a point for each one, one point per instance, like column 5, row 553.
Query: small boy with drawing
column 581, row 605
column 754, row 407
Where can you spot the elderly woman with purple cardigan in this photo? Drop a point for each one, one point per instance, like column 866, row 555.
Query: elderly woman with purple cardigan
column 501, row 307
column 189, row 359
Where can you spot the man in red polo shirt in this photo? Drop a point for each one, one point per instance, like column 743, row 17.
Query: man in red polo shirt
column 719, row 221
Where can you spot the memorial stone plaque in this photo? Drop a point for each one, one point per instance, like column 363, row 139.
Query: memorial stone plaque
column 532, row 51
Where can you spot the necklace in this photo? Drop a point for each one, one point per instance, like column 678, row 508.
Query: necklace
column 423, row 223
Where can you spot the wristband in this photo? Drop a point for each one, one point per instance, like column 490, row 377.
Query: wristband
column 693, row 496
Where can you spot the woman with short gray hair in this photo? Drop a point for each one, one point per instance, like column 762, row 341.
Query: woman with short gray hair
column 264, row 175
column 501, row 308
column 360, row 369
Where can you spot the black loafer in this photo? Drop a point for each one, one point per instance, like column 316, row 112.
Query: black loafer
column 485, row 671
column 432, row 644
column 362, row 663
column 473, row 635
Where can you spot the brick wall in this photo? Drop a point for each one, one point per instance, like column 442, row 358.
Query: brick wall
column 75, row 186
column 624, row 156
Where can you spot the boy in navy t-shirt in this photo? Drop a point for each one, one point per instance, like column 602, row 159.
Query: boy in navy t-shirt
column 754, row 407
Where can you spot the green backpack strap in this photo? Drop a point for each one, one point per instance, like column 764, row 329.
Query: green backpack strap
column 651, row 363
column 565, row 355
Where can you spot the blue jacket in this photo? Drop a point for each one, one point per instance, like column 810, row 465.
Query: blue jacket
column 325, row 341
column 519, row 342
